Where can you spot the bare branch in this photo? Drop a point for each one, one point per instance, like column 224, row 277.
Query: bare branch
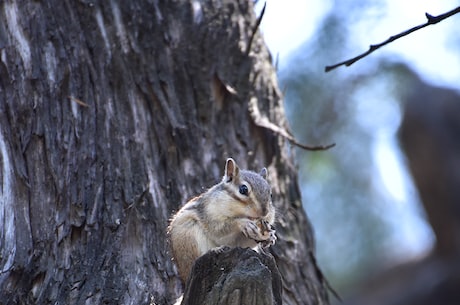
column 264, row 122
column 430, row 20
column 256, row 27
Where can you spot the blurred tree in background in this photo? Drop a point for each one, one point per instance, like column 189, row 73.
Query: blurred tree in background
column 362, row 229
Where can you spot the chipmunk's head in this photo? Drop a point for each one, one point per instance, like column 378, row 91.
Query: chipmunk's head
column 251, row 190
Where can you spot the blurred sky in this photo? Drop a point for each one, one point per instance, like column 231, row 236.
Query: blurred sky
column 287, row 24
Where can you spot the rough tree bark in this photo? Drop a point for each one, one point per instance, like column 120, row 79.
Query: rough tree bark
column 232, row 276
column 113, row 114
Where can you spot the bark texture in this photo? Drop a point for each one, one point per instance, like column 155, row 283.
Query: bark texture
column 113, row 114
column 234, row 276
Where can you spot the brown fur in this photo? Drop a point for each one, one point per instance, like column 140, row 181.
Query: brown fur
column 223, row 217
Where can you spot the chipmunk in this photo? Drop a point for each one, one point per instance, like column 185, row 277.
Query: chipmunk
column 236, row 212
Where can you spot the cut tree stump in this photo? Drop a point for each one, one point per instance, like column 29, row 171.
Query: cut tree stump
column 234, row 276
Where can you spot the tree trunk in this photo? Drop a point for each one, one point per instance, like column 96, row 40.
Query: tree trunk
column 112, row 115
column 232, row 277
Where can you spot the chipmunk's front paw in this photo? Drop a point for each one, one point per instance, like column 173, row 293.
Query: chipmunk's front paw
column 272, row 239
column 260, row 231
column 251, row 230
column 269, row 234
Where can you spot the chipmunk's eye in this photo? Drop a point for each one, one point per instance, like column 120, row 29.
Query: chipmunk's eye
column 244, row 190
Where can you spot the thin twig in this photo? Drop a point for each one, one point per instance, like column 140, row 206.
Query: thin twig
column 263, row 121
column 277, row 59
column 256, row 27
column 79, row 102
column 430, row 20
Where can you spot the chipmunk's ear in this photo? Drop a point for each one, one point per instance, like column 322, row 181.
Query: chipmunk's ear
column 264, row 173
column 231, row 170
